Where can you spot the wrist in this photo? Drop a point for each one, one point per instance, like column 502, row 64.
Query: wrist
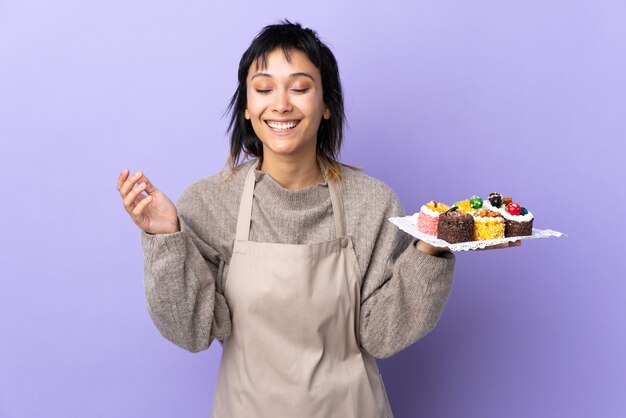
column 173, row 229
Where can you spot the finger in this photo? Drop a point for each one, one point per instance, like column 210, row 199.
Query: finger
column 130, row 201
column 128, row 184
column 504, row 245
column 138, row 210
column 490, row 247
column 495, row 247
column 123, row 176
column 149, row 187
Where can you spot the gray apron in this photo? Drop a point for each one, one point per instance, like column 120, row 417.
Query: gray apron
column 294, row 348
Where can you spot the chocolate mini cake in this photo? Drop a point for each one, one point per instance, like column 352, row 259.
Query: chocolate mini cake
column 455, row 226
column 518, row 221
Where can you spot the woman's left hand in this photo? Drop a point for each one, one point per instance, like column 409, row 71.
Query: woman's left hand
column 432, row 250
column 503, row 245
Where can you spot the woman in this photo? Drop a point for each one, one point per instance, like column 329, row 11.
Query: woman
column 289, row 261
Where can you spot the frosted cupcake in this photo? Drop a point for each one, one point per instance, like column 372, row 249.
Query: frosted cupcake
column 428, row 217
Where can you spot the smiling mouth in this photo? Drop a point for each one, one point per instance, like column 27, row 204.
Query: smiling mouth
column 282, row 126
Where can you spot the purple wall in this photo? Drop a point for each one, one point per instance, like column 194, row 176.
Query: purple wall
column 444, row 100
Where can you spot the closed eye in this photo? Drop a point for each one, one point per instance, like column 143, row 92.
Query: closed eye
column 300, row 90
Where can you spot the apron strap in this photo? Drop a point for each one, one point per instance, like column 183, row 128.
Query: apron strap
column 337, row 203
column 245, row 206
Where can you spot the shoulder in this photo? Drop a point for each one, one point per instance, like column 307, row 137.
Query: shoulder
column 205, row 190
column 353, row 179
column 357, row 182
column 366, row 191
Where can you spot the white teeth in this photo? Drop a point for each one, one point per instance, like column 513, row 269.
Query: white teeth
column 282, row 126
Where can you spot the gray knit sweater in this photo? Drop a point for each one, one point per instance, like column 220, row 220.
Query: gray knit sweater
column 403, row 293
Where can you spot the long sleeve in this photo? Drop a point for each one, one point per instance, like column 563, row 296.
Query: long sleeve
column 412, row 292
column 180, row 273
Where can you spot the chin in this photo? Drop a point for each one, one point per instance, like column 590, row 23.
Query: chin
column 282, row 146
column 280, row 151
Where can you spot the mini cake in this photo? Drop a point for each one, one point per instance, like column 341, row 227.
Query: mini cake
column 488, row 225
column 518, row 220
column 428, row 217
column 455, row 226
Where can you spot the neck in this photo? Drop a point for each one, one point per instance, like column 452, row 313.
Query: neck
column 293, row 174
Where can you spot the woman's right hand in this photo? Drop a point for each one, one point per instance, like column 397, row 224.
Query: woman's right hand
column 154, row 212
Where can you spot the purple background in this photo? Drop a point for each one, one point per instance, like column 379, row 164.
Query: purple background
column 444, row 99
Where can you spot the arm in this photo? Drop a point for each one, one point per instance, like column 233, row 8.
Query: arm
column 180, row 278
column 416, row 282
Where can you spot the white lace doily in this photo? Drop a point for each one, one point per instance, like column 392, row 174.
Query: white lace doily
column 409, row 225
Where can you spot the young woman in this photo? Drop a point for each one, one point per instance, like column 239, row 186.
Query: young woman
column 289, row 260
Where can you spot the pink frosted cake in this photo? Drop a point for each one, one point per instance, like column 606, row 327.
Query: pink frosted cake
column 428, row 217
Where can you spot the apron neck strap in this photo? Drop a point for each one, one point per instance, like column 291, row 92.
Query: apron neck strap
column 245, row 206
column 334, row 187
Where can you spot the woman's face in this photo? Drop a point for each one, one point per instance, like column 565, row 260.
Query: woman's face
column 285, row 104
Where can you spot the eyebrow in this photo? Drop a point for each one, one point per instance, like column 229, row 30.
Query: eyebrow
column 293, row 75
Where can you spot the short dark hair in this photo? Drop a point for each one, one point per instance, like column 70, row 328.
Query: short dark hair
column 289, row 36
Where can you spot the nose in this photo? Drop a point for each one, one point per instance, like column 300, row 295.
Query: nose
column 281, row 103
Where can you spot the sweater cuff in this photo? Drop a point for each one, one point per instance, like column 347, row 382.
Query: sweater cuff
column 156, row 244
column 419, row 260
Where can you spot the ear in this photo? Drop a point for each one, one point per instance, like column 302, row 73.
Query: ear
column 246, row 115
column 326, row 114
